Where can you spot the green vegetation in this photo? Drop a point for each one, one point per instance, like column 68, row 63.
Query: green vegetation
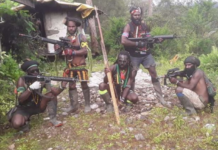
column 97, row 131
column 196, row 22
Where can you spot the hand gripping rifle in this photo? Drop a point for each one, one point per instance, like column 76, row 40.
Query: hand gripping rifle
column 63, row 43
column 173, row 73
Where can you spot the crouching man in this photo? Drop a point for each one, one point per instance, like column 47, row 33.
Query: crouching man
column 123, row 77
column 30, row 98
column 193, row 93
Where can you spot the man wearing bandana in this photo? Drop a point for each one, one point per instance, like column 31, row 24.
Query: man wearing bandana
column 140, row 51
column 123, row 76
column 30, row 98
column 76, row 64
column 193, row 93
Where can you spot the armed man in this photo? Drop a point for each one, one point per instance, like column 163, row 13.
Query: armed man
column 140, row 51
column 76, row 64
column 193, row 93
column 31, row 100
column 123, row 77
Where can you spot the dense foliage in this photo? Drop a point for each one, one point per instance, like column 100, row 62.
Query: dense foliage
column 12, row 50
column 9, row 73
column 15, row 22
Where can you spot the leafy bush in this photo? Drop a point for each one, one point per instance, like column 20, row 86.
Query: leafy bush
column 209, row 63
column 9, row 73
column 16, row 22
column 112, row 35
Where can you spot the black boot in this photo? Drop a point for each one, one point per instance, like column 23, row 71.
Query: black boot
column 187, row 105
column 107, row 100
column 52, row 111
column 157, row 88
column 74, row 105
column 86, row 94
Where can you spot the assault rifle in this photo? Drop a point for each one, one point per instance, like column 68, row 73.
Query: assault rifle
column 49, row 78
column 150, row 40
column 173, row 73
column 63, row 43
column 153, row 39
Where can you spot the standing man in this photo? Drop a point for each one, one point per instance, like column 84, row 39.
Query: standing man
column 123, row 76
column 193, row 93
column 76, row 64
column 30, row 98
column 140, row 51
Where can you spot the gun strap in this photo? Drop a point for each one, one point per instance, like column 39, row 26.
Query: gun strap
column 44, row 96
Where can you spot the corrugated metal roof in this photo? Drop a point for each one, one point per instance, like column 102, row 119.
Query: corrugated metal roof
column 84, row 9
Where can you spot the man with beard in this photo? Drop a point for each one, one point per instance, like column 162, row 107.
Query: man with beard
column 123, row 76
column 193, row 93
column 139, row 52
column 76, row 65
column 30, row 98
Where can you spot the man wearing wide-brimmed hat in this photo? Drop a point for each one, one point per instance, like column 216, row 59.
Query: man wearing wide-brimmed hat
column 76, row 64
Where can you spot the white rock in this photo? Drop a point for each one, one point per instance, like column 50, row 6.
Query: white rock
column 64, row 113
column 130, row 129
column 98, row 110
column 139, row 137
column 94, row 106
column 63, row 99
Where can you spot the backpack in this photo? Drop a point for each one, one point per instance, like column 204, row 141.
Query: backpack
column 211, row 92
column 210, row 87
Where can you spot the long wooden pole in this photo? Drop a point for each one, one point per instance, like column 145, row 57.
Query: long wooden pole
column 109, row 76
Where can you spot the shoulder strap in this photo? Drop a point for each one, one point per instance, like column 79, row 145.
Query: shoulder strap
column 132, row 28
column 80, row 38
column 144, row 26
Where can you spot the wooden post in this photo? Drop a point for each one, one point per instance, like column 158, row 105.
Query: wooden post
column 109, row 76
column 150, row 8
column 1, row 61
column 93, row 32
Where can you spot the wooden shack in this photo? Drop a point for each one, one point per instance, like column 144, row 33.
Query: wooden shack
column 51, row 14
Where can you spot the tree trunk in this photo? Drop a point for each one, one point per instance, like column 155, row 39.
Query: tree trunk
column 93, row 33
column 150, row 8
column 1, row 61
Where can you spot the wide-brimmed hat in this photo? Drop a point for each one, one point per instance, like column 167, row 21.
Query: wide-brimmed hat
column 76, row 20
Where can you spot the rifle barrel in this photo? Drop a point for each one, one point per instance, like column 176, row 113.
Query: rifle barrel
column 165, row 36
column 172, row 36
column 49, row 40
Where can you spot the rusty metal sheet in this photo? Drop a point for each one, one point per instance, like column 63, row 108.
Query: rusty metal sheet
column 26, row 2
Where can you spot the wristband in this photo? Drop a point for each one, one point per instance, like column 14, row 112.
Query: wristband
column 29, row 89
column 73, row 53
column 177, row 82
column 136, row 43
column 62, row 88
column 128, row 86
column 122, row 99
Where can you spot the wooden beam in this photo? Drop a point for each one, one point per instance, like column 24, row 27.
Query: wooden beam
column 109, row 74
column 29, row 3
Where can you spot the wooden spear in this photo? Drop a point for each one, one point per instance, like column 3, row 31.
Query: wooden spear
column 109, row 76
